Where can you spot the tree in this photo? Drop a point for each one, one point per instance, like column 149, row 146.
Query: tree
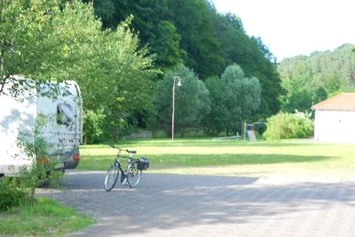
column 151, row 22
column 320, row 94
column 252, row 55
column 243, row 96
column 192, row 32
column 46, row 40
column 299, row 100
column 192, row 101
column 56, row 40
column 215, row 121
column 319, row 75
column 124, row 79
column 166, row 45
column 194, row 20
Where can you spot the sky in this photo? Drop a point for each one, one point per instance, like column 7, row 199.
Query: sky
column 295, row 27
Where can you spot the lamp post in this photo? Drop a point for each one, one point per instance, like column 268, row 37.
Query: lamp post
column 173, row 113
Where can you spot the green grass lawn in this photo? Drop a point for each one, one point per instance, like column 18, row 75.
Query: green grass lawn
column 231, row 157
column 44, row 218
column 296, row 158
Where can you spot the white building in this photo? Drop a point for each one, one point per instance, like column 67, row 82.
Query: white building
column 335, row 119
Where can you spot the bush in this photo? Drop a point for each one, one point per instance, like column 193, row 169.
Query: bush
column 286, row 126
column 93, row 126
column 20, row 190
column 11, row 195
column 15, row 191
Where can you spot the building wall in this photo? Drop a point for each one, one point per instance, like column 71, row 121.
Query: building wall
column 334, row 126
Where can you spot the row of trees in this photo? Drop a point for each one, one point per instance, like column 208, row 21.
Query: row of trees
column 219, row 104
column 310, row 79
column 216, row 105
column 63, row 40
column 124, row 53
column 193, row 33
column 122, row 67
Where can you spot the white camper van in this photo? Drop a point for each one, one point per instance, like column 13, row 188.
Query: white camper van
column 63, row 128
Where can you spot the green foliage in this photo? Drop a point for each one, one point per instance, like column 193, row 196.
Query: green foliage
column 319, row 95
column 215, row 121
column 286, row 125
column 194, row 20
column 166, row 45
column 93, row 126
column 117, row 61
column 56, row 40
column 301, row 100
column 243, row 97
column 48, row 40
column 10, row 195
column 123, row 79
column 308, row 80
column 45, row 217
column 40, row 167
column 192, row 101
column 192, row 32
column 253, row 56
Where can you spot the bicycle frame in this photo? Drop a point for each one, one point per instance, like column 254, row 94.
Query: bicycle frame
column 117, row 162
column 130, row 176
column 119, row 166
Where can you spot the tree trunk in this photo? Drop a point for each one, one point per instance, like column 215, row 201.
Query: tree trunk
column 116, row 135
column 227, row 131
column 182, row 133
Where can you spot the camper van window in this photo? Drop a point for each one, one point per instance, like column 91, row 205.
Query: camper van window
column 64, row 114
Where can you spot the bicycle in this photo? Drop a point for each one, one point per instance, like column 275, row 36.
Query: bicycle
column 133, row 173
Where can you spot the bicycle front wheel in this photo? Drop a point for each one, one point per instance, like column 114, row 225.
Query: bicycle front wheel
column 111, row 177
column 133, row 175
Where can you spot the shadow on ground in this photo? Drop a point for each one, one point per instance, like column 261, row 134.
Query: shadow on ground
column 169, row 201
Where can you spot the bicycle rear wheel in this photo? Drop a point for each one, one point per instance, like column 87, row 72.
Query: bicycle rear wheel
column 111, row 177
column 133, row 175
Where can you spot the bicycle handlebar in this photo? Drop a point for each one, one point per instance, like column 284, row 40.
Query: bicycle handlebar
column 120, row 149
column 114, row 147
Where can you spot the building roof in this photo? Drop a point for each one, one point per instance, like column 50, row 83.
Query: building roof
column 342, row 101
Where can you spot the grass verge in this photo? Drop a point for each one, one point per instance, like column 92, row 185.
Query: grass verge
column 44, row 218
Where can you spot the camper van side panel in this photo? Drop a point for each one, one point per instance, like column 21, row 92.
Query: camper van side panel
column 63, row 129
column 17, row 118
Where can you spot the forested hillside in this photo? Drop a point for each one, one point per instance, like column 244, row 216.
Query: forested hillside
column 192, row 32
column 124, row 55
column 310, row 79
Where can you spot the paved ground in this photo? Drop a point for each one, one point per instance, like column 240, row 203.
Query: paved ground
column 191, row 205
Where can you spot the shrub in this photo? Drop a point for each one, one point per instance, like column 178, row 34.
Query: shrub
column 93, row 126
column 42, row 166
column 19, row 190
column 11, row 195
column 286, row 126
